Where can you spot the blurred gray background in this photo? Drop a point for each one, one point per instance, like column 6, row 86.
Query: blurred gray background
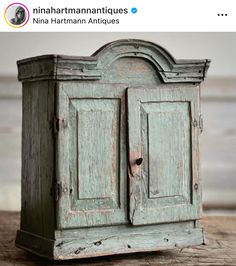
column 218, row 141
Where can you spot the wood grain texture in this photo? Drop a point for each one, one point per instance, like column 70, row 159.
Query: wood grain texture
column 83, row 165
column 98, row 152
column 96, row 145
column 220, row 249
column 95, row 241
column 165, row 133
column 217, row 143
column 126, row 240
column 156, row 101
column 37, row 158
column 131, row 70
column 93, row 68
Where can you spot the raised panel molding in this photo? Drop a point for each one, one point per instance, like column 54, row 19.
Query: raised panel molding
column 95, row 125
column 166, row 141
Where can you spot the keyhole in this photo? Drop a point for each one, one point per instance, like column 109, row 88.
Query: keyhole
column 139, row 161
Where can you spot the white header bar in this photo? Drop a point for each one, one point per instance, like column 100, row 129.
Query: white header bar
column 122, row 15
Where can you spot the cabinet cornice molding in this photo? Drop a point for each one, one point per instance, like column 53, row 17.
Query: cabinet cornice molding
column 61, row 67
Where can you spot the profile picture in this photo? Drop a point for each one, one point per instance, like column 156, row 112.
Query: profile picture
column 16, row 15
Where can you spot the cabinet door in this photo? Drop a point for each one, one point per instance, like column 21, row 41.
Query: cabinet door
column 91, row 161
column 163, row 132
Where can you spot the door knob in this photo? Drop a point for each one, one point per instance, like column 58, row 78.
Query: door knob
column 139, row 161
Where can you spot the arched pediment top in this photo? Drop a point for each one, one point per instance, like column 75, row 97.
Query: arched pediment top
column 170, row 69
column 93, row 67
column 113, row 51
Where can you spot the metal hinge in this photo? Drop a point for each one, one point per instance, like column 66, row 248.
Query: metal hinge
column 198, row 123
column 58, row 124
column 57, row 191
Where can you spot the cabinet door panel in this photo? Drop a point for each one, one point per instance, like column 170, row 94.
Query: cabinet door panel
column 161, row 132
column 165, row 136
column 91, row 156
column 94, row 133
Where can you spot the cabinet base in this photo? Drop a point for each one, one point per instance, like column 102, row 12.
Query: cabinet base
column 94, row 242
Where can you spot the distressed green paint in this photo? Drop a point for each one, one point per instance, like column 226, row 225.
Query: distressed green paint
column 166, row 137
column 94, row 126
column 118, row 242
column 96, row 172
column 85, row 123
column 97, row 148
column 131, row 70
column 162, row 133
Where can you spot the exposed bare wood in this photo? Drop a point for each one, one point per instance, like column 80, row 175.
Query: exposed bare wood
column 220, row 249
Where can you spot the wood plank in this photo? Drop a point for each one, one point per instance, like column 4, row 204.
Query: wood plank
column 129, row 243
column 220, row 248
column 46, row 116
column 37, row 158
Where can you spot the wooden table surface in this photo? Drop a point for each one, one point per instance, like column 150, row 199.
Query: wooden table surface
column 220, row 249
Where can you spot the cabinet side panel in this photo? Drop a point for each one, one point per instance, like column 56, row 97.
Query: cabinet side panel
column 37, row 215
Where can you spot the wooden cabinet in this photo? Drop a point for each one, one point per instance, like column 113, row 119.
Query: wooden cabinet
column 110, row 159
